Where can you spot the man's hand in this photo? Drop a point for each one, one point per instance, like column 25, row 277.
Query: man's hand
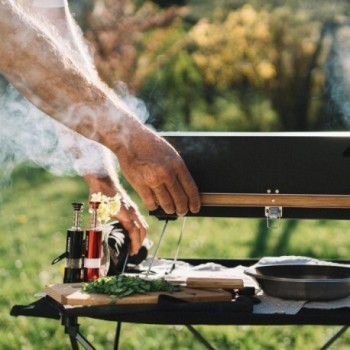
column 132, row 221
column 158, row 173
column 129, row 215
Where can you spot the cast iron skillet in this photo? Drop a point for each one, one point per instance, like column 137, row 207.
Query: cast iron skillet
column 303, row 282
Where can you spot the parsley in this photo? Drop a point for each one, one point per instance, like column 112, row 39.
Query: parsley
column 121, row 286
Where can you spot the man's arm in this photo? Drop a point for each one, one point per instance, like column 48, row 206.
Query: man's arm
column 105, row 180
column 57, row 85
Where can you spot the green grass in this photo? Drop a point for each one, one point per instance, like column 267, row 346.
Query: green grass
column 35, row 211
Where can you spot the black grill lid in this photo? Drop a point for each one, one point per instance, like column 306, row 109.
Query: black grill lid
column 295, row 166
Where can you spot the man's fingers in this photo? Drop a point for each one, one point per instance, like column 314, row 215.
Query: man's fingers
column 134, row 234
column 164, row 199
column 148, row 197
column 139, row 221
column 143, row 226
column 191, row 190
column 179, row 197
column 134, row 231
column 172, row 189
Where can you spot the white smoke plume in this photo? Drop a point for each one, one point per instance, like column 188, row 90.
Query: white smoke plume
column 338, row 70
column 28, row 134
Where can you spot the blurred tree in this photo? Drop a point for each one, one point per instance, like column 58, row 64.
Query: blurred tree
column 250, row 70
column 257, row 66
column 266, row 54
column 116, row 28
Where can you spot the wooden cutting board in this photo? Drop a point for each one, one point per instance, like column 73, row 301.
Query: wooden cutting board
column 71, row 294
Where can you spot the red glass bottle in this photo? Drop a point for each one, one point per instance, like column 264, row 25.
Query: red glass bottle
column 92, row 260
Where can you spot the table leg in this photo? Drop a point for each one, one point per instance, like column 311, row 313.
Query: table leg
column 71, row 327
column 199, row 337
column 117, row 335
column 334, row 338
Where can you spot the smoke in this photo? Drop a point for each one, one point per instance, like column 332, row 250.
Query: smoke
column 136, row 106
column 338, row 71
column 29, row 135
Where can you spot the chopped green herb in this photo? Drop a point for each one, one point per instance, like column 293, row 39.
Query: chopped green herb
column 121, row 286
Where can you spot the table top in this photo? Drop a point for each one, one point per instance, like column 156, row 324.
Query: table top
column 172, row 311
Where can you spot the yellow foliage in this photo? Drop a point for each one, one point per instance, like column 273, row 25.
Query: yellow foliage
column 250, row 45
column 248, row 15
column 266, row 70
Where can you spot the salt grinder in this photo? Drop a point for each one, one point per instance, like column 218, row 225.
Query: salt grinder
column 73, row 271
column 92, row 261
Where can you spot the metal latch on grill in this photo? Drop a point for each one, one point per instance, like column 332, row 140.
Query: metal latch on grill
column 273, row 216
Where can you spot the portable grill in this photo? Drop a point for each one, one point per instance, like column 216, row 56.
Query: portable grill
column 273, row 175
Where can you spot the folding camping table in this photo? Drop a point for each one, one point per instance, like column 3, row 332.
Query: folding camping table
column 170, row 311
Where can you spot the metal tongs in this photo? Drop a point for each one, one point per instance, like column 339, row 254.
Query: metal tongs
column 177, row 247
column 157, row 248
